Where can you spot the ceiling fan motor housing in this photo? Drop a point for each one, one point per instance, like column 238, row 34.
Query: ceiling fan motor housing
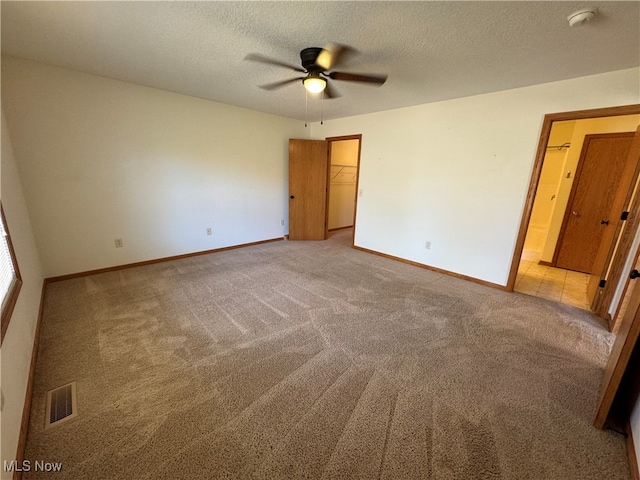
column 309, row 57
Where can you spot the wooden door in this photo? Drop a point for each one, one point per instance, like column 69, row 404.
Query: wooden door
column 600, row 167
column 616, row 243
column 619, row 362
column 308, row 170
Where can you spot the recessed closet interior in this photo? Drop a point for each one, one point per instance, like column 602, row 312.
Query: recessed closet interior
column 342, row 183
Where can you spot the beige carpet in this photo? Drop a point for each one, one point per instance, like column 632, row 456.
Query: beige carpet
column 297, row 360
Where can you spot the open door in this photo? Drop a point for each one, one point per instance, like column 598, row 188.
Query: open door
column 308, row 180
column 618, row 369
column 623, row 367
column 611, row 257
column 588, row 222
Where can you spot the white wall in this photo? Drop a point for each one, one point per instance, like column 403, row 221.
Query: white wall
column 101, row 159
column 18, row 341
column 456, row 172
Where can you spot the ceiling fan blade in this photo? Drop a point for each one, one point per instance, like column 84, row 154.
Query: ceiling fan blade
column 256, row 57
column 330, row 92
column 333, row 54
column 273, row 86
column 354, row 77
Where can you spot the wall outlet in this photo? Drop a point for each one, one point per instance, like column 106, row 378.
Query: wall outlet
column 282, row 222
column 118, row 242
column 360, row 193
column 427, row 245
column 209, row 231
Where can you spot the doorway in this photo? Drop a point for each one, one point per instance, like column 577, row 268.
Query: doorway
column 323, row 185
column 533, row 270
column 344, row 154
column 344, row 167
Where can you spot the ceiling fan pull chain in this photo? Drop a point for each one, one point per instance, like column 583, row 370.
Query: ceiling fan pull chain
column 322, row 109
column 306, row 107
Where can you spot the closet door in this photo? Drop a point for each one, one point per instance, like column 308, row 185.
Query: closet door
column 588, row 216
column 308, row 171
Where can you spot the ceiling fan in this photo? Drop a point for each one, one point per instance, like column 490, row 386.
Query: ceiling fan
column 317, row 65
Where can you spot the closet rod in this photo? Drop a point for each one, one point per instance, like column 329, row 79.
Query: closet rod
column 342, row 165
column 559, row 147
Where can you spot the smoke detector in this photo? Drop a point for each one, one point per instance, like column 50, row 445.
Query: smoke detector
column 581, row 16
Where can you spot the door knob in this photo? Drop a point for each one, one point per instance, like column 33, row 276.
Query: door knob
column 634, row 274
column 574, row 213
column 604, row 222
column 292, row 197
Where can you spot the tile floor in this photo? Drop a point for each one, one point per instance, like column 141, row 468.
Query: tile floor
column 564, row 286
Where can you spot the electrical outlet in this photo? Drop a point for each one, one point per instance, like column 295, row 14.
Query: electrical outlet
column 282, row 222
column 427, row 245
column 118, row 242
column 209, row 231
column 360, row 193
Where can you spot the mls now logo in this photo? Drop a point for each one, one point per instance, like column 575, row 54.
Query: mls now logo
column 27, row 466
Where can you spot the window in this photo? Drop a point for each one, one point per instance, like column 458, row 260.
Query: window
column 10, row 280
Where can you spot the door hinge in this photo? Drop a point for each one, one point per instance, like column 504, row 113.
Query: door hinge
column 624, row 215
column 602, row 283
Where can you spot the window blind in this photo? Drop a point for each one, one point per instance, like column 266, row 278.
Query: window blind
column 7, row 270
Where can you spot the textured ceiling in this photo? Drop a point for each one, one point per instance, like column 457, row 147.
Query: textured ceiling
column 431, row 51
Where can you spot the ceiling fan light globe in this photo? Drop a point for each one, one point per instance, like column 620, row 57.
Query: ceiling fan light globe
column 314, row 84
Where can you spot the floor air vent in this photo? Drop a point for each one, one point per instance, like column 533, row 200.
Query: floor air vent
column 61, row 404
